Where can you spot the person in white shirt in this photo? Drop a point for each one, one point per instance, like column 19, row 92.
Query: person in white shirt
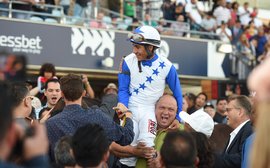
column 222, row 13
column 253, row 16
column 194, row 13
column 224, row 33
column 184, row 2
column 244, row 14
column 180, row 27
column 209, row 24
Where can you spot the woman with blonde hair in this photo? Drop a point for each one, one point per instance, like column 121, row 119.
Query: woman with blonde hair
column 259, row 83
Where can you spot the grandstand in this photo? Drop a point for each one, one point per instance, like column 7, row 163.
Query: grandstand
column 200, row 58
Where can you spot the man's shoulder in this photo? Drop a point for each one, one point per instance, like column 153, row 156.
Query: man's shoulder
column 245, row 131
column 54, row 119
column 63, row 115
column 218, row 9
column 218, row 117
column 96, row 111
column 92, row 110
column 248, row 127
column 67, row 116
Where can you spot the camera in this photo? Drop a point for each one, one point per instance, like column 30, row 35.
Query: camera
column 17, row 151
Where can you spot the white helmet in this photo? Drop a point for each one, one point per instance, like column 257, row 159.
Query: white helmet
column 145, row 35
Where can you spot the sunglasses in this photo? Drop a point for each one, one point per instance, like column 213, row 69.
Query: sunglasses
column 27, row 98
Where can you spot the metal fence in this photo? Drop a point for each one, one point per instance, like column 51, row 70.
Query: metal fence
column 56, row 15
column 54, row 12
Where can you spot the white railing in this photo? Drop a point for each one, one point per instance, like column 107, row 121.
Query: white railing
column 122, row 22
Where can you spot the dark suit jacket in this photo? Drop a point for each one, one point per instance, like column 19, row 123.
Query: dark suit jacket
column 232, row 157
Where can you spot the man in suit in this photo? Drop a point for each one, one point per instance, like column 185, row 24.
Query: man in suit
column 238, row 113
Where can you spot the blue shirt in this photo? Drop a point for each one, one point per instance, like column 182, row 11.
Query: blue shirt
column 262, row 40
column 246, row 151
column 74, row 116
column 38, row 161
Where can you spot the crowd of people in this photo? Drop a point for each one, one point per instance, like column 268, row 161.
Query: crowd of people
column 227, row 21
column 62, row 123
column 207, row 137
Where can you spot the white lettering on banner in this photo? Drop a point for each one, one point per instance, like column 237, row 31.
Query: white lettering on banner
column 98, row 41
column 22, row 43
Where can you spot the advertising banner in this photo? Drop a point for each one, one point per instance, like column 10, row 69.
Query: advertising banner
column 74, row 47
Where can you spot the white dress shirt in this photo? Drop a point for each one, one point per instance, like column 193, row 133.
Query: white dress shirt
column 235, row 132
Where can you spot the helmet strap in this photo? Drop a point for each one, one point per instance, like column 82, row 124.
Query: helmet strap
column 149, row 53
column 140, row 66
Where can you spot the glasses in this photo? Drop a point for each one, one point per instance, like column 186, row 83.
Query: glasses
column 230, row 109
column 27, row 98
column 29, row 120
column 31, row 97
